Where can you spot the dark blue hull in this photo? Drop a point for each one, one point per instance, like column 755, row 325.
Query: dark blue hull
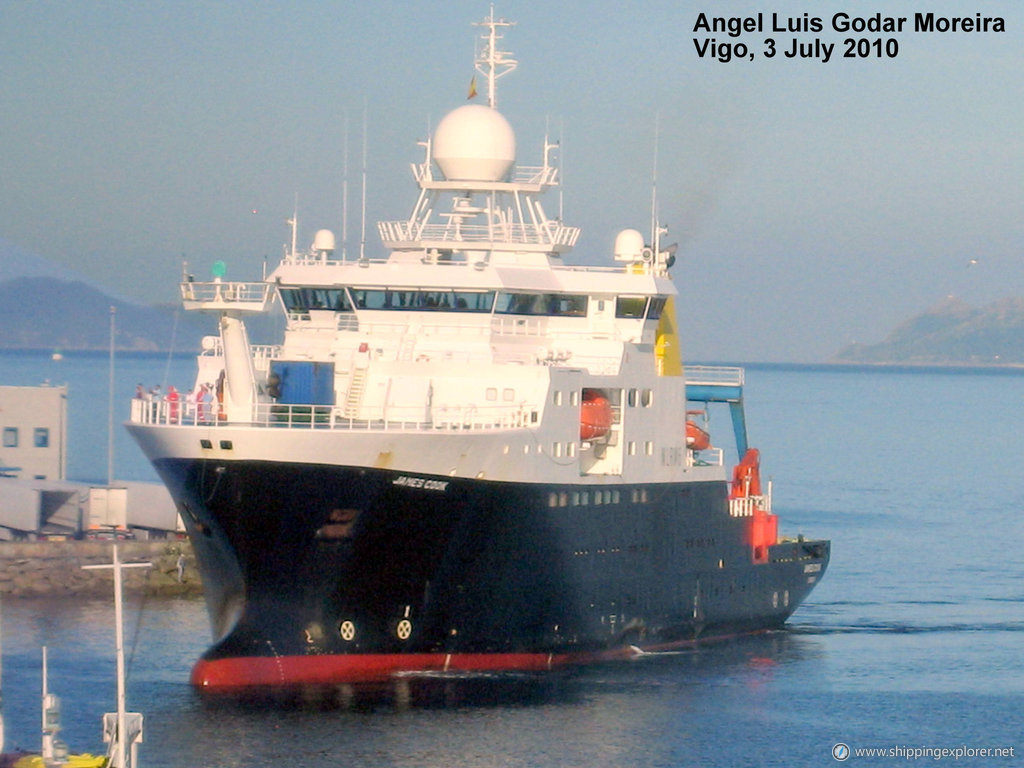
column 325, row 561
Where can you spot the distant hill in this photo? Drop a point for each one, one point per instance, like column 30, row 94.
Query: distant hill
column 951, row 333
column 49, row 313
column 46, row 305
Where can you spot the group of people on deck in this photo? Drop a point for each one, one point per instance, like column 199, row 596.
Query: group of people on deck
column 199, row 406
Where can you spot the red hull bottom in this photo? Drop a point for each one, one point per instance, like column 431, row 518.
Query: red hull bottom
column 287, row 671
column 227, row 674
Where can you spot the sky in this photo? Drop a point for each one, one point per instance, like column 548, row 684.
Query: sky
column 815, row 203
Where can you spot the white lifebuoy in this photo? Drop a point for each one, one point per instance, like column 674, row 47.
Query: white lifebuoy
column 403, row 629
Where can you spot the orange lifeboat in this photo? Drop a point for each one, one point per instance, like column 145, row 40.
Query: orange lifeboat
column 595, row 415
column 697, row 439
column 746, row 476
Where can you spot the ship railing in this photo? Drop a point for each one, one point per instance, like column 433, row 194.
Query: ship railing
column 456, row 419
column 212, row 347
column 540, row 175
column 520, row 325
column 185, row 412
column 534, row 174
column 714, row 375
column 709, row 457
column 746, row 506
column 221, row 295
column 547, row 234
column 478, row 328
column 306, row 259
column 316, row 259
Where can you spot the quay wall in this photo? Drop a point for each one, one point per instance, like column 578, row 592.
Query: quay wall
column 54, row 568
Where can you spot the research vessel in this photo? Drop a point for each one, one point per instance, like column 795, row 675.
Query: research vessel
column 465, row 455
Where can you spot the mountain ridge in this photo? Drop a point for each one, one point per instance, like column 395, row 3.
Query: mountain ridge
column 51, row 313
column 950, row 333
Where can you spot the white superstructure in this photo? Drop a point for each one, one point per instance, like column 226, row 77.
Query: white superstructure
column 468, row 350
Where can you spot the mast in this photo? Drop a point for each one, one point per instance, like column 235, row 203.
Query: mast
column 1, row 693
column 293, row 222
column 123, row 736
column 491, row 62
column 362, row 235
column 344, row 197
column 110, row 400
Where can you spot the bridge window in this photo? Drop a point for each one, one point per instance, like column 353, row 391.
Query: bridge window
column 10, row 437
column 547, row 304
column 656, row 308
column 441, row 300
column 630, row 306
column 301, row 300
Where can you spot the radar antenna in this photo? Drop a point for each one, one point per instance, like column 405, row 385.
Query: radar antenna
column 491, row 62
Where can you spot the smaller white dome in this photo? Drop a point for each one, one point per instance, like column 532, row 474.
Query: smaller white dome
column 474, row 143
column 629, row 245
column 323, row 240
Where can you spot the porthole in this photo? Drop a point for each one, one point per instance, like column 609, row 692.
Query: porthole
column 403, row 629
column 347, row 630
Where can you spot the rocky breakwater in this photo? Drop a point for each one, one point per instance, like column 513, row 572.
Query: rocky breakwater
column 54, row 568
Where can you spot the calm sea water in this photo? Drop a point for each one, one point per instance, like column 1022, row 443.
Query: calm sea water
column 912, row 641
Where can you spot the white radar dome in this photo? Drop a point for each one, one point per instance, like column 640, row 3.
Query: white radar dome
column 474, row 143
column 629, row 245
column 323, row 240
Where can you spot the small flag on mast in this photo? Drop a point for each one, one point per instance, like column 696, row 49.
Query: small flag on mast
column 472, row 89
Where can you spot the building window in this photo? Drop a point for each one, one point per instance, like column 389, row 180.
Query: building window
column 41, row 437
column 10, row 437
